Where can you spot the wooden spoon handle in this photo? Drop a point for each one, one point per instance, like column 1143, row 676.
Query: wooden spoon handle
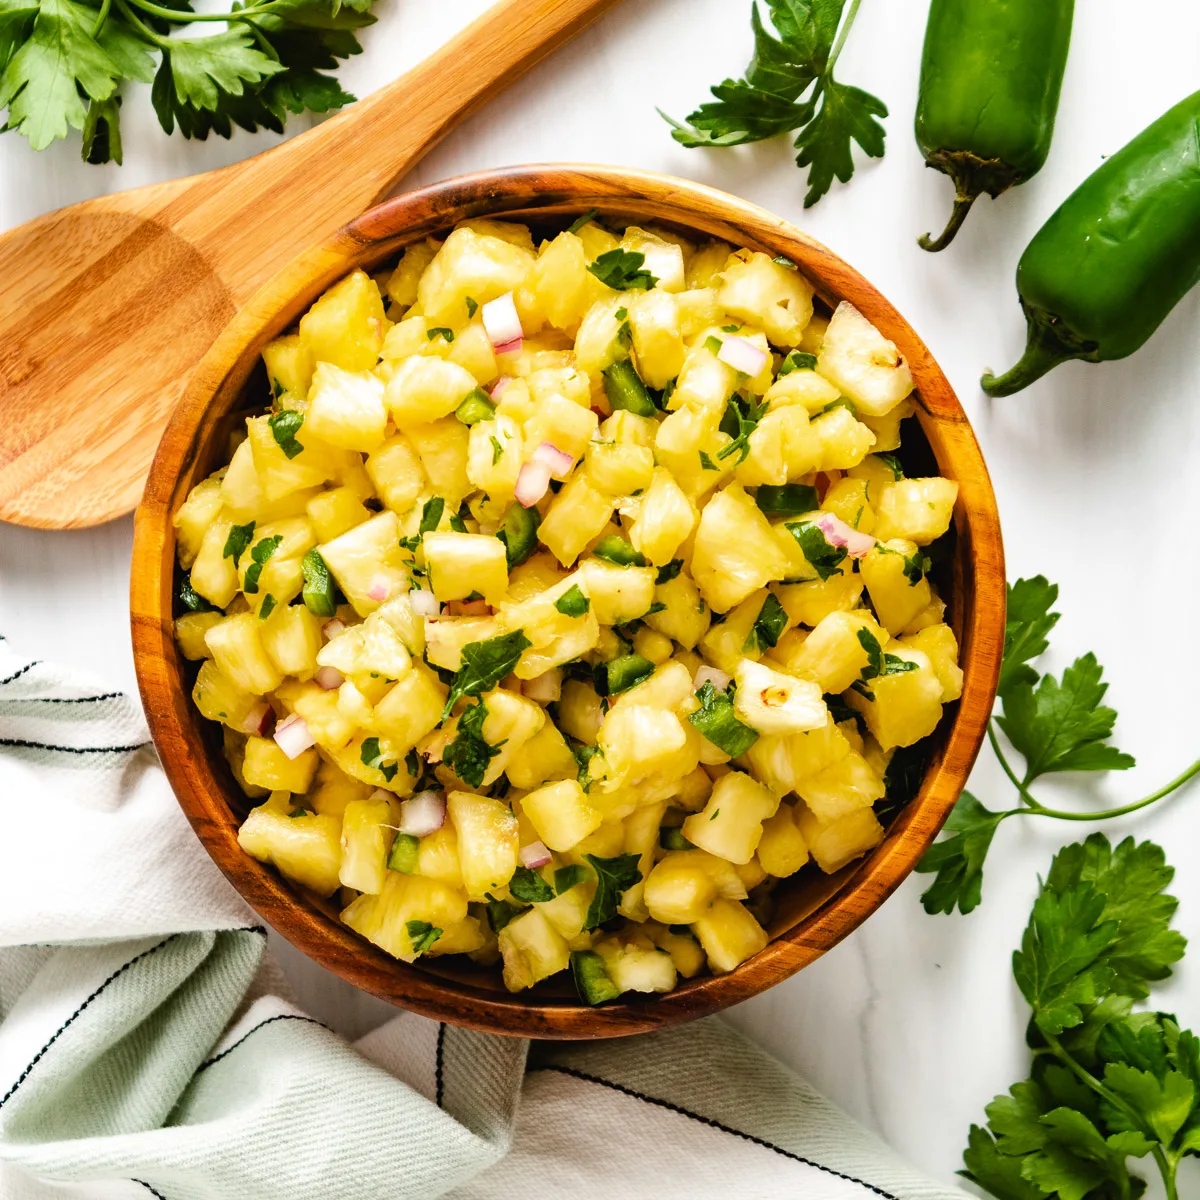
column 323, row 178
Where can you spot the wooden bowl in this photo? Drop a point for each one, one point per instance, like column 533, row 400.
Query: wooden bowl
column 815, row 911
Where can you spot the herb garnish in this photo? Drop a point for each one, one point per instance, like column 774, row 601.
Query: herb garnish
column 529, row 887
column 260, row 553
column 422, row 935
column 614, row 876
column 622, row 270
column 468, row 755
column 238, row 539
column 371, row 756
column 825, row 559
column 484, row 664
column 284, row 427
column 573, row 603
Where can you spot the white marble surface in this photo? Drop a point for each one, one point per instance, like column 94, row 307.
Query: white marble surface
column 913, row 1023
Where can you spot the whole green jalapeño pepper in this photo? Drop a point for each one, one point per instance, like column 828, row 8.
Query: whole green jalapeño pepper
column 1121, row 251
column 991, row 73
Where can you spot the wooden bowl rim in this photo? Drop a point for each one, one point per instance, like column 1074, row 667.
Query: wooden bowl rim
column 524, row 191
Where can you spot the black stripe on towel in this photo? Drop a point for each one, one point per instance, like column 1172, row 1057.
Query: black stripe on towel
column 152, row 1191
column 683, row 1112
column 22, row 744
column 216, row 1058
column 439, row 1066
column 18, row 674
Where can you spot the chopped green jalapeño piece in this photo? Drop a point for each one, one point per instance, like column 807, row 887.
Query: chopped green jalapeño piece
column 518, row 532
column 573, row 603
column 786, row 499
column 591, row 977
column 624, row 388
column 475, row 408
column 318, row 585
column 715, row 719
column 620, row 674
column 797, row 360
column 615, row 549
column 403, row 855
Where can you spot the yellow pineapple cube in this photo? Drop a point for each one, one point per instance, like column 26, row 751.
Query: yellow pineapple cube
column 289, row 362
column 850, row 499
column 564, row 424
column 837, row 843
column 366, row 762
column 466, row 937
column 617, row 594
column 901, row 708
column 782, row 850
column 437, row 857
column 366, row 557
column 864, row 365
column 328, row 724
column 725, row 644
column 266, row 766
column 776, row 298
column 887, row 428
column 488, row 842
column 653, row 647
column 367, row 836
column 425, row 389
column 685, row 617
column 190, row 632
column 834, row 654
column 461, row 564
column 237, row 649
column 888, row 572
column 494, row 455
column 620, row 468
column 334, row 512
column 305, row 848
column 402, row 283
column 221, row 698
column 544, row 758
column 346, row 409
column 372, row 647
column 844, row 441
column 214, row 575
column 598, row 341
column 332, row 790
column 635, row 964
column 657, row 340
column 664, row 521
column 443, row 447
column 730, row 824
column 446, row 636
column 510, row 722
column 735, row 550
column 561, row 814
column 783, row 761
column 532, row 950
column 848, row 784
column 809, row 603
column 804, row 389
column 576, row 516
column 195, row 515
column 471, row 265
column 641, row 743
column 346, row 326
column 783, row 445
column 679, row 890
column 580, row 711
column 939, row 644
column 566, row 382
column 662, row 258
column 397, row 475
column 400, row 919
column 684, row 950
column 412, row 708
column 560, row 281
column 917, row 509
column 292, row 639
column 729, row 934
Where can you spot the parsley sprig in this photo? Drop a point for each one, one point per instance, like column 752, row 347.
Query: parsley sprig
column 63, row 64
column 1107, row 1084
column 1055, row 725
column 789, row 85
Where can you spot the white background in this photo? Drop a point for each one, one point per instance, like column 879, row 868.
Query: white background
column 913, row 1023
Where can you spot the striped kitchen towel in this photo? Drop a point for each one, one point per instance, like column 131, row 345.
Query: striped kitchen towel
column 148, row 1048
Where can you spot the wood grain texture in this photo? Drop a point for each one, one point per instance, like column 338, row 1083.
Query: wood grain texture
column 107, row 306
column 815, row 912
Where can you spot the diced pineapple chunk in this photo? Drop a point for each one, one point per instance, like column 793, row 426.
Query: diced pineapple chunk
column 643, row 744
column 782, row 850
column 367, row 836
column 461, row 564
column 214, row 574
column 783, row 445
column 237, row 648
column 346, row 409
column 397, row 475
column 811, row 602
column 425, row 389
column 917, row 509
column 617, row 594
column 620, row 468
column 292, row 638
column 365, row 558
column 289, row 364
column 598, row 342
column 772, row 702
column 776, row 298
column 834, row 654
column 896, row 582
column 195, row 515
column 411, row 709
column 494, row 452
column 580, row 711
column 561, row 814
column 685, row 951
column 902, row 708
column 465, row 937
column 221, row 698
column 576, row 516
column 396, row 920
column 442, row 447
column 662, row 258
column 940, row 645
column 848, row 784
column 839, row 842
column 657, row 341
column 685, row 617
column 730, row 824
column 402, row 283
column 664, row 521
column 329, row 726
column 729, row 935
column 735, row 550
column 783, row 762
column 544, row 758
column 446, row 636
column 437, row 857
column 679, row 890
column 266, row 765
column 346, row 325
column 844, row 440
column 560, row 281
column 471, row 265
column 190, row 631
column 653, row 647
column 804, row 389
column 332, row 513
column 370, row 648
column 856, row 358
column 635, row 964
column 305, row 848
column 332, row 790
column 488, row 842
column 532, row 950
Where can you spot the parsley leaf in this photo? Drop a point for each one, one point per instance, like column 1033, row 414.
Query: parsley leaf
column 468, row 755
column 825, row 559
column 260, row 553
column 768, row 626
column 614, row 876
column 422, row 935
column 191, row 600
column 796, row 360
column 747, row 416
column 447, row 335
column 789, row 85
column 529, row 887
column 573, row 603
column 1063, row 726
column 878, row 663
column 497, row 449
column 622, row 270
column 669, row 571
column 565, row 878
column 706, row 463
column 484, row 664
column 1026, row 629
column 370, row 755
column 958, row 859
column 267, row 607
column 284, row 426
column 715, row 719
column 237, row 541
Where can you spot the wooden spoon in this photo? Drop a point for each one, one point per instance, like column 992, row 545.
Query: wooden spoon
column 106, row 306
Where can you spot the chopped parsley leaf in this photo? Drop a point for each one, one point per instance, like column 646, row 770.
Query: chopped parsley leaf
column 573, row 603
column 622, row 270
column 284, row 427
column 468, row 755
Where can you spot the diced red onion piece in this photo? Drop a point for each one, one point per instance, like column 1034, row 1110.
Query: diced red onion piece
column 742, row 356
column 838, row 533
column 707, row 674
column 532, row 482
column 499, row 386
column 546, row 688
column 332, row 628
column 423, row 603
column 423, row 814
column 380, row 589
column 293, row 736
column 534, row 855
column 255, row 718
column 330, row 678
column 513, row 347
column 559, row 461
column 501, row 322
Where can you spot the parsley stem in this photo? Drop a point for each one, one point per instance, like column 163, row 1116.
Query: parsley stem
column 101, row 17
column 175, row 16
column 142, row 29
column 843, row 33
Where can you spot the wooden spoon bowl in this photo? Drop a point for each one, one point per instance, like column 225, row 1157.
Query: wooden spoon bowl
column 814, row 911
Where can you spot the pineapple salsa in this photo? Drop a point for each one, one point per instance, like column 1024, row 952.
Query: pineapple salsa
column 568, row 597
